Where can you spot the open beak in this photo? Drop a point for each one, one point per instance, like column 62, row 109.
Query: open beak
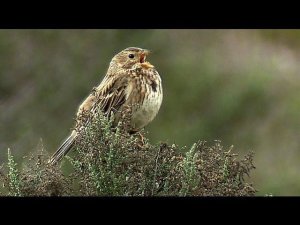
column 143, row 61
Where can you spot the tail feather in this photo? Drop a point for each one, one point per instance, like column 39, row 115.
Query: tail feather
column 63, row 149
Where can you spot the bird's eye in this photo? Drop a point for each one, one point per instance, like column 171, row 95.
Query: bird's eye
column 131, row 56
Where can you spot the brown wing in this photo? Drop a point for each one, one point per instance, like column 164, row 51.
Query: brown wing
column 109, row 96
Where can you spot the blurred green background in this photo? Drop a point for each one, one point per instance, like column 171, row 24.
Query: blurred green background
column 238, row 86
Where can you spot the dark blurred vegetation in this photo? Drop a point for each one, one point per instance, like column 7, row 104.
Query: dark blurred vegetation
column 238, row 86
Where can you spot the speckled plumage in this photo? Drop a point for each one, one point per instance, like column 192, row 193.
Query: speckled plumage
column 131, row 82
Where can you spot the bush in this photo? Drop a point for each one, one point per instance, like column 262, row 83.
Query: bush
column 111, row 162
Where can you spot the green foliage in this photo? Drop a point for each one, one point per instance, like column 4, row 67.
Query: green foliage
column 13, row 176
column 190, row 179
column 110, row 162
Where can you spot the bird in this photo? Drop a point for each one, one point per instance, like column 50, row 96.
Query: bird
column 130, row 81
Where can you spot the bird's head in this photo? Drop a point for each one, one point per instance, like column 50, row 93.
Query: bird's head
column 131, row 58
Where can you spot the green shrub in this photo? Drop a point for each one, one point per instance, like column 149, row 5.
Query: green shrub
column 111, row 162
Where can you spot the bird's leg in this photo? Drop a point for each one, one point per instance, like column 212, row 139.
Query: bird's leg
column 141, row 137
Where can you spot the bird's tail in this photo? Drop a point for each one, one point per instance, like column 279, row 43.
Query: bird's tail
column 63, row 149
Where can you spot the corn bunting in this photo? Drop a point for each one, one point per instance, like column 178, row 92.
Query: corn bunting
column 130, row 81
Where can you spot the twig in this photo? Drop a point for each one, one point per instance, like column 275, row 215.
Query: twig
column 155, row 171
